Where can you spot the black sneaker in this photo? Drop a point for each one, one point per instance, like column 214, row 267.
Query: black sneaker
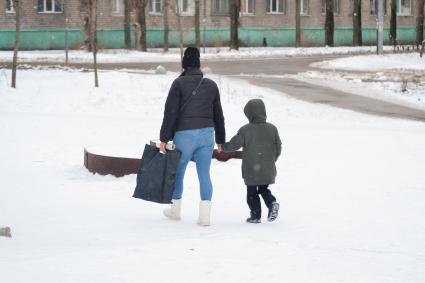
column 253, row 220
column 273, row 212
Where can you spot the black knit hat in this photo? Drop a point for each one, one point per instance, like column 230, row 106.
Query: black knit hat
column 191, row 58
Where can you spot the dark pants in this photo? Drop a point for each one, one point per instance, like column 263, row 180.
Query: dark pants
column 254, row 202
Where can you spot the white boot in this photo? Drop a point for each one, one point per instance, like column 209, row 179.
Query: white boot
column 204, row 213
column 175, row 210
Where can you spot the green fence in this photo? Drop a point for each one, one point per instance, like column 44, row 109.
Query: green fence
column 114, row 38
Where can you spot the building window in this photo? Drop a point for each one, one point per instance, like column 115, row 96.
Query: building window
column 304, row 7
column 155, row 6
column 247, row 7
column 336, row 7
column 374, row 7
column 187, row 7
column 220, row 7
column 49, row 6
column 275, row 6
column 118, row 7
column 404, row 7
column 9, row 6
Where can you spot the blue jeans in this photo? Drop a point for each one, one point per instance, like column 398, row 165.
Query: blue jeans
column 199, row 144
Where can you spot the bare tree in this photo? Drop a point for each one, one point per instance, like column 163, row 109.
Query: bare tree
column 393, row 23
column 65, row 11
column 298, row 23
column 85, row 17
column 420, row 23
column 357, row 23
column 198, row 23
column 179, row 26
column 93, row 36
column 17, row 7
column 141, row 20
column 166, row 24
column 127, row 23
column 234, row 24
column 329, row 23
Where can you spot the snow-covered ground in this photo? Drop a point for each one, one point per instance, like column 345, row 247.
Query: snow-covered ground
column 156, row 55
column 398, row 78
column 374, row 63
column 351, row 188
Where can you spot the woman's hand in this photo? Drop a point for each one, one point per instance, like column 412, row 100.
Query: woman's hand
column 162, row 147
column 219, row 149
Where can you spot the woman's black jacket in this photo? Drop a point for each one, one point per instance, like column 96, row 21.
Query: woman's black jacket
column 202, row 111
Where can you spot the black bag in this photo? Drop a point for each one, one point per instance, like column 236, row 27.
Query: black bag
column 157, row 175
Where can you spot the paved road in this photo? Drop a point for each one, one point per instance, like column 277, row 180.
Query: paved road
column 309, row 92
column 297, row 89
column 320, row 94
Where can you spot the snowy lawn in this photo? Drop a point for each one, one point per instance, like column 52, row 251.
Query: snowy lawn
column 398, row 78
column 157, row 55
column 373, row 63
column 351, row 188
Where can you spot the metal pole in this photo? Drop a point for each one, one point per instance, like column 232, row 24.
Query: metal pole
column 380, row 26
column 66, row 31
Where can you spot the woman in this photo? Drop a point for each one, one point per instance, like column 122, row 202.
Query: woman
column 192, row 114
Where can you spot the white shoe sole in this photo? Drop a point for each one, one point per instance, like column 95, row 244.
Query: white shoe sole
column 275, row 212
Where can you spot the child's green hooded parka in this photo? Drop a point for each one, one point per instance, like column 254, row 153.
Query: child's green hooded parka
column 261, row 145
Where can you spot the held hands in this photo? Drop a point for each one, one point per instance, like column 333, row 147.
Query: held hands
column 163, row 144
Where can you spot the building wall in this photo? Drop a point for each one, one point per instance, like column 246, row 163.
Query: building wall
column 46, row 31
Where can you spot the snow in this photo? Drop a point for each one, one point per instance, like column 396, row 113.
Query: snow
column 372, row 63
column 351, row 189
column 397, row 78
column 157, row 55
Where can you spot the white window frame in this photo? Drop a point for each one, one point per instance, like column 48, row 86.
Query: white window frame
column 336, row 4
column 190, row 7
column 404, row 12
column 44, row 11
column 221, row 8
column 304, row 10
column 118, row 7
column 11, row 5
column 152, row 7
column 246, row 11
column 278, row 11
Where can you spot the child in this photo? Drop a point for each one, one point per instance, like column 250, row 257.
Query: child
column 261, row 147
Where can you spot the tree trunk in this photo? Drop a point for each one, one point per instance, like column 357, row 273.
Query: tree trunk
column 93, row 37
column 393, row 23
column 85, row 18
column 141, row 19
column 127, row 24
column 298, row 23
column 420, row 23
column 234, row 23
column 179, row 25
column 137, row 37
column 329, row 24
column 198, row 23
column 357, row 23
column 166, row 25
column 65, row 10
column 17, row 7
column 86, row 28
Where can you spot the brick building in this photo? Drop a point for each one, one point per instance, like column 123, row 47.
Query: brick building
column 43, row 22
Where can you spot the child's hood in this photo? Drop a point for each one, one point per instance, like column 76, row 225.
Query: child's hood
column 255, row 111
